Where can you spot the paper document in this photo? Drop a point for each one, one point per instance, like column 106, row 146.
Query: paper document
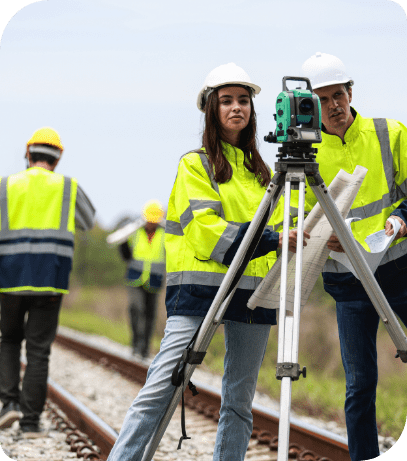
column 343, row 190
column 378, row 244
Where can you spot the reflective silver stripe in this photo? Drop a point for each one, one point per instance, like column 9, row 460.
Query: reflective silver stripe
column 395, row 252
column 382, row 132
column 173, row 228
column 36, row 234
column 234, row 223
column 3, row 204
column 36, row 248
column 371, row 209
column 293, row 212
column 224, row 242
column 195, row 205
column 136, row 264
column 209, row 172
column 276, row 226
column 66, row 201
column 158, row 268
column 214, row 205
column 215, row 279
column 186, row 217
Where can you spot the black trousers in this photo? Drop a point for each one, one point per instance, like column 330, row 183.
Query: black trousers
column 35, row 319
column 142, row 309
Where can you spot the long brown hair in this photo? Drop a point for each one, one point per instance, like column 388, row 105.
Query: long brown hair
column 212, row 137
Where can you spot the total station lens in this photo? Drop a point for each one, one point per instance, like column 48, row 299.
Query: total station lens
column 306, row 106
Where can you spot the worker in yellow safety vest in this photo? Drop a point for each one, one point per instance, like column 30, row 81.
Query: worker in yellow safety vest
column 214, row 198
column 380, row 145
column 39, row 212
column 144, row 251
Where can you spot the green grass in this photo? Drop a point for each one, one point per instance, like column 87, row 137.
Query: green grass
column 91, row 323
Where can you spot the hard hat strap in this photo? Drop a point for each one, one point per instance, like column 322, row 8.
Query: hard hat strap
column 42, row 149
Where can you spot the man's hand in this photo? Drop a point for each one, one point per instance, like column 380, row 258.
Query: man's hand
column 389, row 228
column 334, row 244
column 292, row 240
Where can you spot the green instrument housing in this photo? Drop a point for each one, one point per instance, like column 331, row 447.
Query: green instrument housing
column 298, row 117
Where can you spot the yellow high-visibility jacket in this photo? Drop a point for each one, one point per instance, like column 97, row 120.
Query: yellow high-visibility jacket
column 37, row 230
column 147, row 267
column 380, row 145
column 203, row 220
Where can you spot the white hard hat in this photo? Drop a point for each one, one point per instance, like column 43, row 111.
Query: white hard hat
column 224, row 75
column 325, row 69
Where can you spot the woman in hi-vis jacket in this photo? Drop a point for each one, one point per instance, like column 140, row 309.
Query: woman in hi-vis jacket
column 215, row 195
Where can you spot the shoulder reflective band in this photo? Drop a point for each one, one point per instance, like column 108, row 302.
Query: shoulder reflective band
column 3, row 203
column 382, row 132
column 215, row 185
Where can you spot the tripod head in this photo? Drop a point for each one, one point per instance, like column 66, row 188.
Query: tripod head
column 298, row 118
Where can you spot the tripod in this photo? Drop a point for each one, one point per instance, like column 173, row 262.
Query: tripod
column 295, row 163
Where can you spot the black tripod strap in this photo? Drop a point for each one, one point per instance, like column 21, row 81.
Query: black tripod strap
column 184, row 432
column 178, row 378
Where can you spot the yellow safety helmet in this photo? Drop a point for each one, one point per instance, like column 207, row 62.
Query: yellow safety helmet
column 48, row 136
column 153, row 211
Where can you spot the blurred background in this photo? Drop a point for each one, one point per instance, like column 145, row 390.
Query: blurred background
column 118, row 79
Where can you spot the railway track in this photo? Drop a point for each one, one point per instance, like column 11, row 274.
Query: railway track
column 308, row 443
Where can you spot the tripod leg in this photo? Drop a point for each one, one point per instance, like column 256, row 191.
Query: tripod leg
column 222, row 299
column 289, row 324
column 365, row 275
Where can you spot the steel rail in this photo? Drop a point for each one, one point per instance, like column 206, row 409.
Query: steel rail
column 84, row 419
column 324, row 443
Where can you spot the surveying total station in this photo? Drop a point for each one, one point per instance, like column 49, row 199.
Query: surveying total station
column 298, row 118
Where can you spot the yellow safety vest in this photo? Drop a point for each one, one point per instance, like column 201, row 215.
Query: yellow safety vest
column 37, row 230
column 379, row 145
column 204, row 217
column 147, row 267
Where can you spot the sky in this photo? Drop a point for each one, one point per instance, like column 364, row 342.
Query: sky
column 118, row 79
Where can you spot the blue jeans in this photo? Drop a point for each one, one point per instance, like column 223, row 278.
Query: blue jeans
column 357, row 324
column 245, row 348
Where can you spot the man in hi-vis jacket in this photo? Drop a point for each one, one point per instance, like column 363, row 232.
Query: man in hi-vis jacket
column 380, row 145
column 40, row 210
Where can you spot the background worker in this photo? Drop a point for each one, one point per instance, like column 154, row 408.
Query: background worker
column 380, row 145
column 145, row 254
column 216, row 194
column 39, row 212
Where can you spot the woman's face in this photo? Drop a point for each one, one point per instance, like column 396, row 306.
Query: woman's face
column 234, row 110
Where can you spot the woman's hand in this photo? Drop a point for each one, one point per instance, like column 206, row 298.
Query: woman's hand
column 334, row 244
column 389, row 228
column 292, row 240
